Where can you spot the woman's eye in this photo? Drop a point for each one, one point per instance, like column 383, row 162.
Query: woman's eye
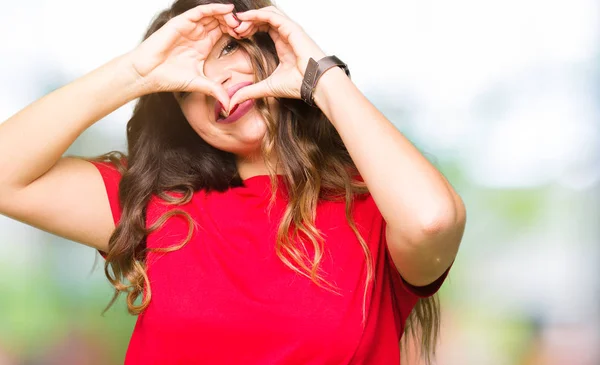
column 182, row 94
column 229, row 47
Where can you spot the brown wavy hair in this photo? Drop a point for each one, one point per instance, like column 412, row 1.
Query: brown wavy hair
column 165, row 155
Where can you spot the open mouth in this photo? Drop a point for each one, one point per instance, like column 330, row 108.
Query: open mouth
column 236, row 113
column 223, row 114
column 220, row 113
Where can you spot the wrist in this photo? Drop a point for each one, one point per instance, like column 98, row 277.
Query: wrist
column 332, row 80
column 135, row 84
column 314, row 71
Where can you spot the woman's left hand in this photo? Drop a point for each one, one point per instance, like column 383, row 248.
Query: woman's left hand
column 294, row 49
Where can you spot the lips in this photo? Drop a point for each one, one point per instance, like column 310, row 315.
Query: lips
column 232, row 90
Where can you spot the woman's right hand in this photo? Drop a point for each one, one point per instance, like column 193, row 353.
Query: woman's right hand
column 172, row 58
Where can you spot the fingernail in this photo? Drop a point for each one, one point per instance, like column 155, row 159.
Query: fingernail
column 234, row 13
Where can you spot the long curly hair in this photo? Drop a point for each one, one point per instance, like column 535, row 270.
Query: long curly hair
column 166, row 155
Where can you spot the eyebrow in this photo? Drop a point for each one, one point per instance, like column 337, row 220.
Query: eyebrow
column 227, row 37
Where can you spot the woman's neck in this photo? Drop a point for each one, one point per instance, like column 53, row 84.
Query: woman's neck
column 254, row 166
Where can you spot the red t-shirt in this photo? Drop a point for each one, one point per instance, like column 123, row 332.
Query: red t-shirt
column 226, row 298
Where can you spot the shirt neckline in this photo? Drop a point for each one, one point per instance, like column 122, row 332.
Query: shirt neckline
column 261, row 184
column 260, row 178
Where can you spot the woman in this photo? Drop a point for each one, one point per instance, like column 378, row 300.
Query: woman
column 257, row 221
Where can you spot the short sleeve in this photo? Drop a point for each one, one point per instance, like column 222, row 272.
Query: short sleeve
column 370, row 217
column 111, row 177
column 399, row 283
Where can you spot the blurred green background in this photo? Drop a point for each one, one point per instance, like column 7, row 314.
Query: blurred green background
column 503, row 96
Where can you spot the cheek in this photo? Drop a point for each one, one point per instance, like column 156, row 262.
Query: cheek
column 196, row 106
column 255, row 127
column 243, row 137
column 231, row 65
column 201, row 126
column 197, row 113
column 241, row 63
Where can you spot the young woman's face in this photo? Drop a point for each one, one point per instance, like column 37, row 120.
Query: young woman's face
column 241, row 133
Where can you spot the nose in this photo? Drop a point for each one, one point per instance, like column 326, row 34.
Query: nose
column 220, row 75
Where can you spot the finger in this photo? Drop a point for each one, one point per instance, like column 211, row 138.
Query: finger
column 230, row 20
column 227, row 30
column 273, row 9
column 274, row 35
column 201, row 11
column 255, row 29
column 214, row 35
column 266, row 16
column 248, row 32
column 227, row 22
column 208, row 87
column 212, row 25
column 207, row 20
column 280, row 45
column 284, row 25
column 187, row 22
column 242, row 27
column 254, row 91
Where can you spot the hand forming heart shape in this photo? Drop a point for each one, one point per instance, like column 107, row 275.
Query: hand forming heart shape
column 294, row 48
column 172, row 58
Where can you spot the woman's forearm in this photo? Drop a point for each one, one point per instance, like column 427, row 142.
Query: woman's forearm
column 35, row 138
column 425, row 217
column 409, row 191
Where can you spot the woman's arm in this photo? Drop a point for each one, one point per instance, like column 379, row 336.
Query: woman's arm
column 67, row 196
column 33, row 140
column 64, row 196
column 425, row 217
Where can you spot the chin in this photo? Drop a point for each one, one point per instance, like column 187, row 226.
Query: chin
column 244, row 140
column 250, row 133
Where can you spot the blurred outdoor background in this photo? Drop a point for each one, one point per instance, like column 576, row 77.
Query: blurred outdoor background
column 502, row 95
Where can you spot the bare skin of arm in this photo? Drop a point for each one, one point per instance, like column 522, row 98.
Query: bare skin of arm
column 63, row 196
column 66, row 196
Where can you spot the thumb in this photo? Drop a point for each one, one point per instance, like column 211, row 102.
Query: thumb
column 254, row 91
column 213, row 89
